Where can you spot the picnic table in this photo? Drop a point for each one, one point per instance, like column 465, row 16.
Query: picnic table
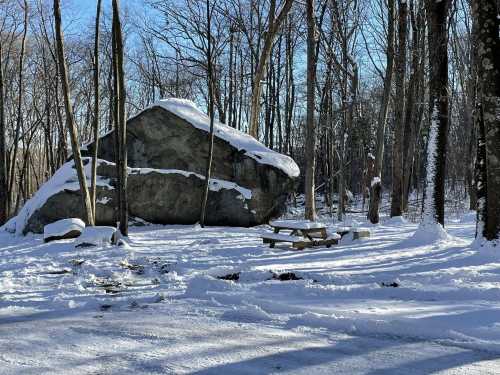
column 303, row 233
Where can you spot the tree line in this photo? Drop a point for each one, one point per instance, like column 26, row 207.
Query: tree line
column 394, row 97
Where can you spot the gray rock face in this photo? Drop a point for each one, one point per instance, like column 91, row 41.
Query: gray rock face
column 157, row 196
column 167, row 155
column 158, row 138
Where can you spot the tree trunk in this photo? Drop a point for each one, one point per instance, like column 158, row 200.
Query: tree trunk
column 87, row 206
column 310, row 209
column 19, row 121
column 486, row 14
column 3, row 152
column 437, row 16
column 122, row 121
column 274, row 26
column 376, row 184
column 95, row 126
column 399, row 107
column 211, row 114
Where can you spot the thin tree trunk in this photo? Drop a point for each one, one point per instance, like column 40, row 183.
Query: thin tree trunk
column 274, row 26
column 376, row 184
column 208, row 170
column 87, row 206
column 122, row 121
column 96, row 110
column 3, row 152
column 13, row 163
column 310, row 209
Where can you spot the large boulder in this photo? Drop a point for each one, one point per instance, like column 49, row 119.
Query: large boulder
column 155, row 195
column 167, row 152
column 173, row 134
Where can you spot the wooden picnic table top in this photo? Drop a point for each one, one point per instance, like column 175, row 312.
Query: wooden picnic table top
column 297, row 225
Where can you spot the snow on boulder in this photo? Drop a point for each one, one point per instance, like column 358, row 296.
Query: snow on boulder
column 63, row 229
column 96, row 236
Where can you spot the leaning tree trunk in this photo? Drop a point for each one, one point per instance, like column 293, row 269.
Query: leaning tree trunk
column 486, row 14
column 73, row 133
column 437, row 17
column 376, row 184
column 121, row 120
column 399, row 107
column 310, row 210
column 274, row 26
column 208, row 170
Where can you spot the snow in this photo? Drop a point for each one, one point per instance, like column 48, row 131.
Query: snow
column 387, row 304
column 188, row 111
column 375, row 181
column 96, row 236
column 214, row 185
column 65, row 178
column 297, row 224
column 62, row 227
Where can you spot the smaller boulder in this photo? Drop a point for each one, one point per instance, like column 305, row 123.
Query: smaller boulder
column 96, row 236
column 63, row 229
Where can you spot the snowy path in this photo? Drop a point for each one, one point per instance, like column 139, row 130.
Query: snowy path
column 173, row 339
column 156, row 306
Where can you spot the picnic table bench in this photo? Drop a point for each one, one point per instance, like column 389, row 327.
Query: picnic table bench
column 302, row 234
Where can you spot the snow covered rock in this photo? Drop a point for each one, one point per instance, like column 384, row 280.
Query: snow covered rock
column 172, row 134
column 96, row 236
column 155, row 195
column 63, row 229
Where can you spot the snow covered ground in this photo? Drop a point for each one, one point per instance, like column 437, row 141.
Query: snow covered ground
column 390, row 304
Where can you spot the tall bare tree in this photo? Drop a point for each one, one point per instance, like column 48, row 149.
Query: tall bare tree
column 399, row 107
column 376, row 184
column 70, row 119
column 96, row 109
column 208, row 170
column 275, row 23
column 19, row 117
column 120, row 118
column 437, row 20
column 488, row 117
column 3, row 162
column 310, row 209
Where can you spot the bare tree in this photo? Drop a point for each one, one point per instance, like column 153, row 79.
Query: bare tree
column 87, row 206
column 376, row 184
column 3, row 162
column 96, row 110
column 211, row 114
column 437, row 19
column 310, row 210
column 399, row 107
column 121, row 121
column 488, row 69
column 275, row 23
